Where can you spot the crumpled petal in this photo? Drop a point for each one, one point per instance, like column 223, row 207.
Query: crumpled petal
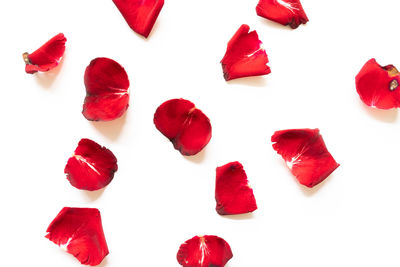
column 140, row 14
column 80, row 232
column 47, row 56
column 232, row 191
column 285, row 12
column 92, row 166
column 244, row 56
column 378, row 86
column 305, row 154
column 204, row 251
column 184, row 125
column 107, row 94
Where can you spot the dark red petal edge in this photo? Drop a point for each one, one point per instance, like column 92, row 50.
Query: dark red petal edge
column 204, row 251
column 232, row 191
column 305, row 154
column 92, row 166
column 80, row 231
column 47, row 56
column 244, row 55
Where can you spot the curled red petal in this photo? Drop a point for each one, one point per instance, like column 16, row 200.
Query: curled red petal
column 184, row 125
column 204, row 251
column 92, row 166
column 140, row 14
column 244, row 55
column 378, row 86
column 305, row 154
column 47, row 56
column 285, row 12
column 232, row 191
column 107, row 94
column 80, row 232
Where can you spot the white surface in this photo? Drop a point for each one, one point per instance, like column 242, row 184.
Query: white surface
column 158, row 199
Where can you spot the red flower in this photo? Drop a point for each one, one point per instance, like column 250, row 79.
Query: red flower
column 80, row 232
column 47, row 56
column 305, row 154
column 107, row 95
column 285, row 12
column 232, row 191
column 140, row 14
column 378, row 86
column 204, row 251
column 184, row 125
column 244, row 55
column 92, row 166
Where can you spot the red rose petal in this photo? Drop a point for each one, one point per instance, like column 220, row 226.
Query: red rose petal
column 285, row 12
column 107, row 95
column 80, row 232
column 47, row 56
column 305, row 154
column 378, row 86
column 184, row 125
column 204, row 251
column 140, row 14
column 92, row 166
column 232, row 191
column 244, row 56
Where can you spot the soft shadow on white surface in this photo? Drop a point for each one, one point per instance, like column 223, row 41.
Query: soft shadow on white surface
column 198, row 158
column 103, row 263
column 46, row 79
column 255, row 81
column 383, row 115
column 94, row 195
column 111, row 129
column 309, row 192
column 276, row 25
column 239, row 217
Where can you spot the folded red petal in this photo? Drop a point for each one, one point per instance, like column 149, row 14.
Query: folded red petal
column 80, row 232
column 204, row 251
column 184, row 125
column 140, row 14
column 244, row 56
column 305, row 154
column 378, row 86
column 232, row 191
column 285, row 12
column 47, row 56
column 92, row 166
column 107, row 94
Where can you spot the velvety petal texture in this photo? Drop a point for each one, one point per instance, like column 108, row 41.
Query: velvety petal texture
column 140, row 14
column 305, row 154
column 232, row 191
column 244, row 55
column 92, row 166
column 107, row 94
column 80, row 232
column 47, row 56
column 285, row 12
column 378, row 86
column 184, row 125
column 204, row 251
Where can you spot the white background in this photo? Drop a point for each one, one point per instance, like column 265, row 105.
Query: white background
column 158, row 198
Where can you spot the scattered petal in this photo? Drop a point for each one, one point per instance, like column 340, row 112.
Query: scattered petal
column 92, row 166
column 80, row 232
column 378, row 86
column 140, row 14
column 244, row 56
column 285, row 12
column 184, row 125
column 232, row 191
column 107, row 94
column 47, row 56
column 305, row 154
column 204, row 251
